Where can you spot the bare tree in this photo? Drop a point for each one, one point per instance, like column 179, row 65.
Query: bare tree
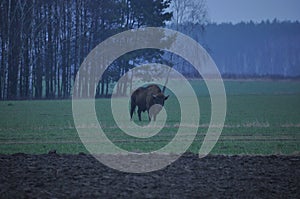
column 193, row 12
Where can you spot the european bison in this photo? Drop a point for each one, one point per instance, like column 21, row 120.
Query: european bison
column 144, row 98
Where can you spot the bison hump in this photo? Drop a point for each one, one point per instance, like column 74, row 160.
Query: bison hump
column 153, row 89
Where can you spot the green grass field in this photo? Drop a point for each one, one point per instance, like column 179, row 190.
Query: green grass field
column 263, row 117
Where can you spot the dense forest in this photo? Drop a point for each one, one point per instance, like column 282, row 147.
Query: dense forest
column 266, row 49
column 43, row 44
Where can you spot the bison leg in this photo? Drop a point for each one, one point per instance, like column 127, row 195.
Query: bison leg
column 154, row 117
column 132, row 109
column 149, row 116
column 139, row 114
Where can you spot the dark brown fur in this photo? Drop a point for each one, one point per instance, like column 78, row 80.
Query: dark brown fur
column 144, row 98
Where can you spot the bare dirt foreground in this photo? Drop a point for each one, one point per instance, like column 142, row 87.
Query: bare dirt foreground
column 82, row 176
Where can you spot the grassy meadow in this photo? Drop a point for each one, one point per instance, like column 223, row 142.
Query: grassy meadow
column 263, row 117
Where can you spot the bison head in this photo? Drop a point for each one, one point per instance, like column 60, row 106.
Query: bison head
column 159, row 98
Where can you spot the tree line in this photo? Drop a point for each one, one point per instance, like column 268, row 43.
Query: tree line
column 266, row 49
column 44, row 42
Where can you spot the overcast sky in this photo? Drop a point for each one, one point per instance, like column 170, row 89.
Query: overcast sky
column 256, row 10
